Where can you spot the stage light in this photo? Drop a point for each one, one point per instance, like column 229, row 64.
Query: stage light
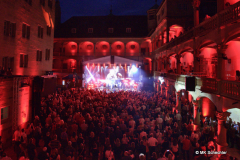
column 91, row 76
column 63, row 82
column 134, row 69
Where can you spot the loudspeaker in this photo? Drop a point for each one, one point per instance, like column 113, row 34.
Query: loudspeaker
column 190, row 83
column 38, row 84
column 112, row 59
column 237, row 73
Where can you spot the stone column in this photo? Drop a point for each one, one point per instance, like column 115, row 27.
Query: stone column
column 125, row 49
column 139, row 50
column 77, row 48
column 178, row 64
column 196, row 4
column 110, row 48
column 221, row 64
column 167, row 38
column 162, row 42
column 167, row 65
column 196, row 115
column 94, row 49
column 222, row 131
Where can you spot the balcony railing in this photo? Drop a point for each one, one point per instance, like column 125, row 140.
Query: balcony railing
column 230, row 89
column 227, row 16
column 75, row 55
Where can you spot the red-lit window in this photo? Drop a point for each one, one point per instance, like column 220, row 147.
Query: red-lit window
column 4, row 113
column 40, row 32
column 90, row 30
column 39, row 55
column 42, row 2
column 47, row 55
column 9, row 29
column 26, row 31
column 8, row 63
column 49, row 30
column 110, row 30
column 23, row 61
column 29, row 2
column 128, row 30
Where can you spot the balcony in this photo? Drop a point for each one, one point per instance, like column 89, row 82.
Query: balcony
column 97, row 55
column 225, row 88
column 227, row 16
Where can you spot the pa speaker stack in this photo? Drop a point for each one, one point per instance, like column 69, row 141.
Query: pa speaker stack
column 190, row 83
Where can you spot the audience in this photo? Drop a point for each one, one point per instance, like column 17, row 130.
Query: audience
column 124, row 125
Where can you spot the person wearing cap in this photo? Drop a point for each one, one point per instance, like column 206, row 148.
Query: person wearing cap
column 43, row 155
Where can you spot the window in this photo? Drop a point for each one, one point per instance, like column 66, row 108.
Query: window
column 9, row 29
column 42, row 2
column 47, row 55
column 4, row 113
column 25, row 31
column 110, row 30
column 49, row 29
column 29, row 2
column 8, row 62
column 23, row 60
column 50, row 3
column 39, row 55
column 90, row 30
column 151, row 17
column 74, row 30
column 40, row 32
column 128, row 30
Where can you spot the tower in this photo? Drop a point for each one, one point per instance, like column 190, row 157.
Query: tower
column 57, row 14
column 152, row 20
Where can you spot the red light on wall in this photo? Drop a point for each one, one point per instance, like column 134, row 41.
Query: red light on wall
column 93, row 65
column 125, row 67
column 120, row 65
column 88, row 65
column 104, row 65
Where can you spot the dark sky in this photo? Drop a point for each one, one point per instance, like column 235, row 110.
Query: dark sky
column 71, row 8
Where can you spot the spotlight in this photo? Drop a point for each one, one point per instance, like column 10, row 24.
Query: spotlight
column 134, row 69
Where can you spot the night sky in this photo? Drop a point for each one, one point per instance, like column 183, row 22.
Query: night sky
column 71, row 8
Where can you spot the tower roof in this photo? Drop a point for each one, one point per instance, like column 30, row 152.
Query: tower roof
column 154, row 7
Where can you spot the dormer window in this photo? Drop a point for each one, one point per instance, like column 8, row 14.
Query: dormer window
column 128, row 30
column 90, row 30
column 74, row 30
column 110, row 30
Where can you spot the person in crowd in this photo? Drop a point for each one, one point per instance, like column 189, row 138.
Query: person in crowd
column 43, row 155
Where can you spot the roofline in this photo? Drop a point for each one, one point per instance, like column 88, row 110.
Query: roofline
column 160, row 5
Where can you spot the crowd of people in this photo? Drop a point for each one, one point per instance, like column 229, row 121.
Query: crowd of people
column 89, row 124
